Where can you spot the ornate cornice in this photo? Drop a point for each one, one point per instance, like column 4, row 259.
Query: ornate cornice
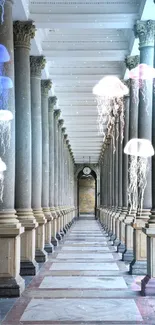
column 52, row 100
column 145, row 30
column 57, row 113
column 37, row 63
column 23, row 32
column 45, row 86
column 132, row 61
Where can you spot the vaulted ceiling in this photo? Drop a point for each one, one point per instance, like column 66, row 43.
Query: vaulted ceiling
column 82, row 42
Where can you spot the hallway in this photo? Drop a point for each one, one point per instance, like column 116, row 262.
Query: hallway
column 83, row 282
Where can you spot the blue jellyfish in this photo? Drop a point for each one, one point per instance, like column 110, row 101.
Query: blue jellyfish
column 4, row 55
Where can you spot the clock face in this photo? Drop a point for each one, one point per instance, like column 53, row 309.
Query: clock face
column 86, row 170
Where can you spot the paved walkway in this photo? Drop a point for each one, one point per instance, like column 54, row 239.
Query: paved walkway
column 83, row 282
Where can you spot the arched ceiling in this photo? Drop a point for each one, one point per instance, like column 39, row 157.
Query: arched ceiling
column 82, row 41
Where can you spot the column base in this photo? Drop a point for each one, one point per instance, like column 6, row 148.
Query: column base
column 64, row 230
column 116, row 242
column 40, row 256
column 49, row 248
column 62, row 233
column 148, row 286
column 113, row 237
column 121, row 248
column 11, row 287
column 138, row 267
column 128, row 256
column 58, row 236
column 54, row 241
column 28, row 268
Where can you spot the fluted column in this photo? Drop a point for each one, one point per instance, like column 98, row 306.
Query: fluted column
column 23, row 33
column 121, row 248
column 144, row 30
column 131, row 63
column 11, row 284
column 51, row 103
column 37, row 63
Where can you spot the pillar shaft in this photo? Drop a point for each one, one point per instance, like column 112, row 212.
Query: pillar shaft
column 23, row 32
column 9, row 244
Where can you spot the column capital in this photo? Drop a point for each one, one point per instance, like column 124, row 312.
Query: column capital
column 57, row 113
column 145, row 30
column 61, row 122
column 52, row 100
column 37, row 63
column 65, row 137
column 23, row 32
column 45, row 86
column 63, row 130
column 132, row 61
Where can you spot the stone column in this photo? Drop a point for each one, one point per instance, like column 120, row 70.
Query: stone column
column 56, row 171
column 51, row 103
column 148, row 283
column 131, row 63
column 144, row 30
column 65, row 182
column 23, row 32
column 44, row 233
column 37, row 63
column 60, row 124
column 116, row 189
column 62, row 178
column 11, row 284
column 121, row 248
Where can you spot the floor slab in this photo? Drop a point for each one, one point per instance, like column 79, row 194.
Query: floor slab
column 85, row 310
column 75, row 282
column 77, row 248
column 84, row 256
column 84, row 266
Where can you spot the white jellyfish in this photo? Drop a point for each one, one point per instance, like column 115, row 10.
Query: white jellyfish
column 139, row 151
column 2, row 3
column 5, row 128
column 2, row 169
column 109, row 93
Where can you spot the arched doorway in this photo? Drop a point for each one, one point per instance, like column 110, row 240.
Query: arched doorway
column 87, row 193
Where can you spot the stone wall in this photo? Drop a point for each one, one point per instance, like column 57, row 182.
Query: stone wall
column 87, row 195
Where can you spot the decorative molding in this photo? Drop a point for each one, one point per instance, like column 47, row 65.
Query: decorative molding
column 37, row 63
column 145, row 30
column 63, row 131
column 132, row 61
column 23, row 32
column 45, row 86
column 52, row 100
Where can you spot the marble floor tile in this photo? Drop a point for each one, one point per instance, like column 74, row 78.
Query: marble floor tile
column 84, row 266
column 81, row 310
column 76, row 282
column 84, row 256
column 77, row 248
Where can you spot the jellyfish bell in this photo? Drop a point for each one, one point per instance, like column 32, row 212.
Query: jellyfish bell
column 5, row 83
column 110, row 86
column 139, row 148
column 142, row 72
column 5, row 115
column 4, row 55
column 2, row 166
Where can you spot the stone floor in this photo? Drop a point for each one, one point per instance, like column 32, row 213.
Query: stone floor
column 83, row 282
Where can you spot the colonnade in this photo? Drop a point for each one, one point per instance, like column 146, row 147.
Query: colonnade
column 132, row 232
column 38, row 201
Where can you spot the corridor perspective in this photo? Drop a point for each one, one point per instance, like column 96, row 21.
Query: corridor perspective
column 83, row 282
column 77, row 162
